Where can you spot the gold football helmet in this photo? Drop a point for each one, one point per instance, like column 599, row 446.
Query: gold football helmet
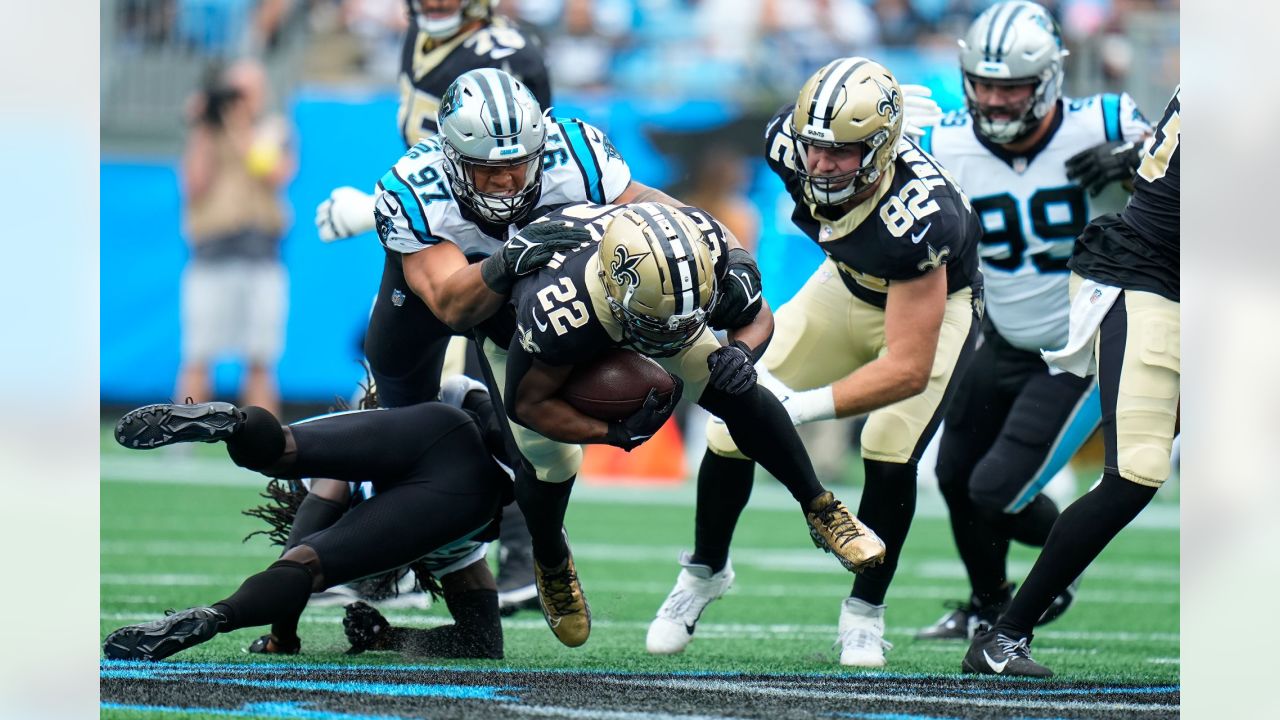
column 658, row 277
column 849, row 101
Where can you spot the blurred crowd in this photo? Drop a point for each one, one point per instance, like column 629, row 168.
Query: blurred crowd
column 721, row 47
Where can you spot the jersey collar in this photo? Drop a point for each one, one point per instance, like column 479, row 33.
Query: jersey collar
column 1020, row 160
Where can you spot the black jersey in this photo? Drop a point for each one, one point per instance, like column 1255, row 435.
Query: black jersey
column 562, row 316
column 428, row 69
column 919, row 220
column 1139, row 249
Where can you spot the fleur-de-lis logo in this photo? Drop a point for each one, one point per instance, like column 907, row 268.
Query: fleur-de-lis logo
column 935, row 258
column 526, row 340
column 623, row 266
column 890, row 104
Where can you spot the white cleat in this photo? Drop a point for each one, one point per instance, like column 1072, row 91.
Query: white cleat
column 672, row 630
column 861, row 638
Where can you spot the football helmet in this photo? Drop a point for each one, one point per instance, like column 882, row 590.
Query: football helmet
column 849, row 101
column 658, row 277
column 1013, row 43
column 489, row 119
column 446, row 27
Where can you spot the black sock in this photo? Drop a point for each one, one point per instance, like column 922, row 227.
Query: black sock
column 724, row 486
column 544, row 505
column 1079, row 535
column 476, row 632
column 982, row 547
column 279, row 591
column 260, row 441
column 762, row 430
column 1031, row 524
column 887, row 506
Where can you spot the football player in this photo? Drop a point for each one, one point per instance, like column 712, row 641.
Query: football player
column 444, row 40
column 649, row 277
column 1036, row 167
column 882, row 327
column 1125, row 327
column 438, row 491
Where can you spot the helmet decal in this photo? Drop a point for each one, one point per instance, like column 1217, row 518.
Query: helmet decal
column 623, row 266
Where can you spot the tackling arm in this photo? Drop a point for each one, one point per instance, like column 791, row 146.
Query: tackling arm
column 450, row 287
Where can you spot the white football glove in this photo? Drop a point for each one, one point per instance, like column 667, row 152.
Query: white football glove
column 345, row 213
column 804, row 406
column 919, row 110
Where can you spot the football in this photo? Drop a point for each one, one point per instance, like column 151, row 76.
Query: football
column 614, row 384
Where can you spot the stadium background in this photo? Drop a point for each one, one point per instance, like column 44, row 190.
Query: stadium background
column 662, row 85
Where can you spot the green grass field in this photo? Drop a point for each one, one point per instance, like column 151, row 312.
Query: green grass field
column 172, row 529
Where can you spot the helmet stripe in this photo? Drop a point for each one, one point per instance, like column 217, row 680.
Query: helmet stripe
column 688, row 252
column 677, row 258
column 828, row 91
column 491, row 105
column 508, row 93
column 1008, row 23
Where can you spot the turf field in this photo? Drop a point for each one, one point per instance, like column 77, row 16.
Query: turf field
column 171, row 537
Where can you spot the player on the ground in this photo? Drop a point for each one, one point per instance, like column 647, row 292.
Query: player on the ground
column 881, row 327
column 651, row 280
column 1026, row 156
column 437, row 493
column 1125, row 326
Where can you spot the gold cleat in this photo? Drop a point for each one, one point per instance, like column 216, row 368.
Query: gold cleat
column 563, row 603
column 836, row 530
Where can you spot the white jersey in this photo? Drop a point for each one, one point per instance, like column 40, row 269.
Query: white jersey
column 1031, row 213
column 415, row 207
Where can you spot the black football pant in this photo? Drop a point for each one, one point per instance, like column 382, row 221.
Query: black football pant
column 1009, row 429
column 434, row 479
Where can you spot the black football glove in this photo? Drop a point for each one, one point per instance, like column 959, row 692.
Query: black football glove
column 1104, row 164
column 731, row 368
column 643, row 423
column 366, row 628
column 532, row 248
column 740, row 299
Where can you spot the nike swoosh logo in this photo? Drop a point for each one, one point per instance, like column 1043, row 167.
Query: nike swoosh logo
column 998, row 667
column 917, row 237
column 386, row 208
column 542, row 327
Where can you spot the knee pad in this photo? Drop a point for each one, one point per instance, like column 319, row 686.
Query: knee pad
column 1147, row 400
column 888, row 437
column 720, row 442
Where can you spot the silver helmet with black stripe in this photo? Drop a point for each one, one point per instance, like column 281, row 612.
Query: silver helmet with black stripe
column 1012, row 43
column 492, row 127
column 849, row 102
column 659, row 278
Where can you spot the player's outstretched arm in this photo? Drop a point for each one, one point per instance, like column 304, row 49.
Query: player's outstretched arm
column 345, row 213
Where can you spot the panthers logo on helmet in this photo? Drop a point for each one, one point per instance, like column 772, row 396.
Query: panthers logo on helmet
column 623, row 266
column 449, row 103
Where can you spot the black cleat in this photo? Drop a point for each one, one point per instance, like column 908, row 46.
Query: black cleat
column 966, row 619
column 993, row 653
column 153, row 426
column 161, row 638
column 269, row 645
column 517, row 589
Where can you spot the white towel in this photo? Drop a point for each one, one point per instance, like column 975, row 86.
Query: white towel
column 1090, row 304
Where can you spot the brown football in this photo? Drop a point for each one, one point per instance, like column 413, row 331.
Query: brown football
column 614, row 384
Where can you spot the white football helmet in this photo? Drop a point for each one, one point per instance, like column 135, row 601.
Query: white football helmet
column 488, row 118
column 1013, row 43
column 658, row 277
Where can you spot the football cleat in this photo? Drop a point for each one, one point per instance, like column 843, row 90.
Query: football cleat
column 861, row 634
column 994, row 653
column 563, row 604
column 836, row 530
column 696, row 587
column 154, row 426
column 1060, row 603
column 966, row 619
column 270, row 645
column 161, row 638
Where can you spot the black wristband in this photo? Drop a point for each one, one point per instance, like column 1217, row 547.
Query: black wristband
column 493, row 270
